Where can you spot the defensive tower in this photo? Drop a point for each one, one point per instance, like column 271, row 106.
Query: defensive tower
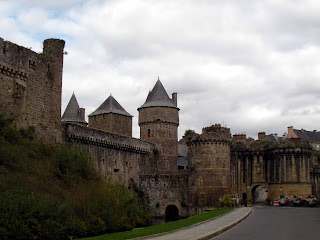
column 159, row 121
column 31, row 86
column 112, row 117
column 209, row 155
column 74, row 113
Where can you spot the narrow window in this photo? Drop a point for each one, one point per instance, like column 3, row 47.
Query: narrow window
column 148, row 133
column 116, row 170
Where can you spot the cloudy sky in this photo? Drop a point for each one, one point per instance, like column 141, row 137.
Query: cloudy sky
column 250, row 65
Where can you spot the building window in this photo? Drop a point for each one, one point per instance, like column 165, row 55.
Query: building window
column 116, row 170
column 148, row 133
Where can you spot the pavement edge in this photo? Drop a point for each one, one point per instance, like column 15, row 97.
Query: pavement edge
column 226, row 228
column 164, row 233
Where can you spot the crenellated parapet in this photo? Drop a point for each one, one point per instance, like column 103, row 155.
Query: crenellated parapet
column 290, row 150
column 14, row 73
column 90, row 136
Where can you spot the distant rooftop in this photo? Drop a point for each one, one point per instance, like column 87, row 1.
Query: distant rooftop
column 72, row 112
column 312, row 136
column 110, row 105
column 158, row 97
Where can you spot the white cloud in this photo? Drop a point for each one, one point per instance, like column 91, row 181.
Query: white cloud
column 252, row 65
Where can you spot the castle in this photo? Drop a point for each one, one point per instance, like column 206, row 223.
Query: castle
column 216, row 161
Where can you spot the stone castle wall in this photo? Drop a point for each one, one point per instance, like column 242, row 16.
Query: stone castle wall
column 315, row 180
column 288, row 165
column 160, row 126
column 164, row 190
column 31, row 86
column 120, row 159
column 209, row 155
column 281, row 170
column 111, row 122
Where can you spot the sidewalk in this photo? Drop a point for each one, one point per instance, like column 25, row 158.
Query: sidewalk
column 207, row 229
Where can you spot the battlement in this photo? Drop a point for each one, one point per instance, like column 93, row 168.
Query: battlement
column 85, row 135
column 213, row 133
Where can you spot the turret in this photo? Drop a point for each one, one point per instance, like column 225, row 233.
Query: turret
column 112, row 117
column 209, row 162
column 53, row 51
column 74, row 113
column 159, row 121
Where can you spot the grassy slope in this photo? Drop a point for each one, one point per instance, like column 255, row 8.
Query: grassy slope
column 166, row 227
column 54, row 192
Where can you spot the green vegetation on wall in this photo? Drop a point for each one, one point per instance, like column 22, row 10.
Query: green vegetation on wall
column 53, row 192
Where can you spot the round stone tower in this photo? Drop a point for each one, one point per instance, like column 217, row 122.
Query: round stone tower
column 159, row 121
column 209, row 164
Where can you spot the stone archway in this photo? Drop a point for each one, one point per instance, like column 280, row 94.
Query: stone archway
column 172, row 213
column 259, row 194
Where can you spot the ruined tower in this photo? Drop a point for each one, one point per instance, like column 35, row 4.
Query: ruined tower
column 159, row 121
column 74, row 113
column 112, row 117
column 209, row 156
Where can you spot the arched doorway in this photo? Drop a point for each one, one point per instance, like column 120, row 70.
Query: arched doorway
column 172, row 213
column 259, row 194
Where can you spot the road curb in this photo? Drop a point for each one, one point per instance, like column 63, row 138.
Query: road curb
column 226, row 228
column 164, row 233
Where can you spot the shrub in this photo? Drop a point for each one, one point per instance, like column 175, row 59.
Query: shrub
column 52, row 191
column 226, row 201
column 71, row 164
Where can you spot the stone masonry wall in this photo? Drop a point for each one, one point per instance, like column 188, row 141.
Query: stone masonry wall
column 164, row 190
column 315, row 180
column 288, row 165
column 209, row 156
column 111, row 122
column 31, row 86
column 289, row 189
column 120, row 159
column 160, row 126
column 210, row 172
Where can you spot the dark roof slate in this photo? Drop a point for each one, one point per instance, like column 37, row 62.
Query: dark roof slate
column 110, row 105
column 182, row 161
column 158, row 97
column 310, row 135
column 182, row 150
column 273, row 138
column 72, row 112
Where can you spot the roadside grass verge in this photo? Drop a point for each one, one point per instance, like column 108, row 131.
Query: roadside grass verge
column 166, row 227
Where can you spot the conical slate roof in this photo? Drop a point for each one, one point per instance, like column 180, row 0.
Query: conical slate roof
column 72, row 112
column 110, row 105
column 158, row 97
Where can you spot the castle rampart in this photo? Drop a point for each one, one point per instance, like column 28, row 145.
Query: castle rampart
column 119, row 158
column 166, row 190
column 31, row 86
column 209, row 156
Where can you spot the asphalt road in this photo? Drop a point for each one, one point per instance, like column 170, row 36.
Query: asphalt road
column 277, row 223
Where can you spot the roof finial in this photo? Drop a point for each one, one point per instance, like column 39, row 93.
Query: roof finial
column 110, row 94
column 158, row 78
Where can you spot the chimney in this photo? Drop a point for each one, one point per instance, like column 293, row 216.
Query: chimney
column 291, row 134
column 174, row 99
column 82, row 113
column 261, row 136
